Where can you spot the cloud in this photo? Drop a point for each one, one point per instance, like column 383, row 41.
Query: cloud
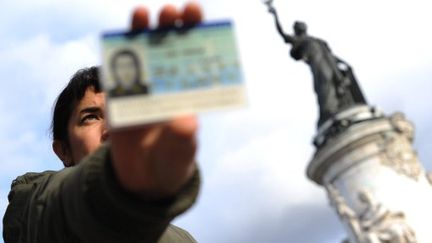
column 299, row 223
column 258, row 192
column 43, row 66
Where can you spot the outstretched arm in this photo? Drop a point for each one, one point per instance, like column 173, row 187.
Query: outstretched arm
column 86, row 203
column 287, row 38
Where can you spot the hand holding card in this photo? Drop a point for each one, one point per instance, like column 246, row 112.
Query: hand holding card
column 156, row 160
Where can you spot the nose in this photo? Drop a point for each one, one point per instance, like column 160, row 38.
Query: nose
column 105, row 134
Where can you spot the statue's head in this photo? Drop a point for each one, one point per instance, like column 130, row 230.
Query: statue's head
column 300, row 28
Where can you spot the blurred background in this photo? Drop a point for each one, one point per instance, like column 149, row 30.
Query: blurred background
column 253, row 160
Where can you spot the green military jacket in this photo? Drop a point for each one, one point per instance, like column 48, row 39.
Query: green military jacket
column 85, row 203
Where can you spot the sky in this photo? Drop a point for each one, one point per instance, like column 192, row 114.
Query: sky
column 253, row 160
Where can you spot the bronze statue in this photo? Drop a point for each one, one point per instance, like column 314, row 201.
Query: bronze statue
column 334, row 81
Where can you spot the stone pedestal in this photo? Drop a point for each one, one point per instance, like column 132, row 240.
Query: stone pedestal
column 373, row 177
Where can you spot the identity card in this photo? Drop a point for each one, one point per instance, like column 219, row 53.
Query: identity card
column 156, row 75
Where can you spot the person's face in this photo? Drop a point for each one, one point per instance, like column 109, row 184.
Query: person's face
column 125, row 71
column 86, row 129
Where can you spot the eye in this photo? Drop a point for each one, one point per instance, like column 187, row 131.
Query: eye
column 89, row 118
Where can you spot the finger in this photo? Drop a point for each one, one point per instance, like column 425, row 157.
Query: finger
column 192, row 14
column 168, row 16
column 140, row 19
column 185, row 127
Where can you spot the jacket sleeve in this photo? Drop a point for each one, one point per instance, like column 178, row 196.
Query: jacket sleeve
column 85, row 203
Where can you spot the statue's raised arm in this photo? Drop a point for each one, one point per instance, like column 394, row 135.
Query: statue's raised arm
column 287, row 38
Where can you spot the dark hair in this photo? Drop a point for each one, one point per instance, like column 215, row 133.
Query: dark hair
column 69, row 98
column 129, row 53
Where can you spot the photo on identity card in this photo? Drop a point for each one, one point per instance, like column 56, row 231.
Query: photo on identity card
column 155, row 75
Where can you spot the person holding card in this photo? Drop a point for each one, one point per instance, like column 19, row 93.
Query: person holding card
column 118, row 186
